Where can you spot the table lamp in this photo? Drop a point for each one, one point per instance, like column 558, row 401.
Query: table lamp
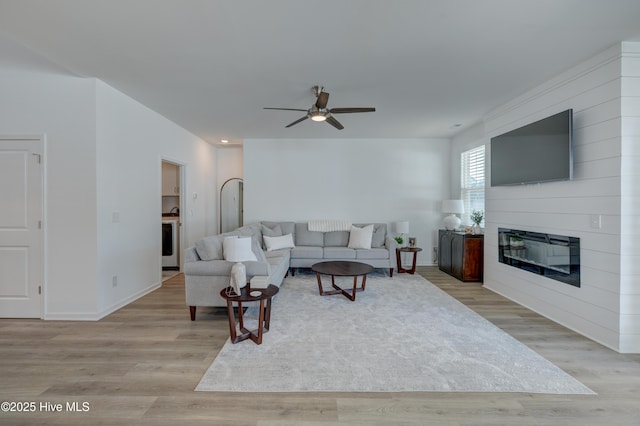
column 452, row 207
column 401, row 228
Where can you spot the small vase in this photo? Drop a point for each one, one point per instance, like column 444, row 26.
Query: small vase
column 477, row 230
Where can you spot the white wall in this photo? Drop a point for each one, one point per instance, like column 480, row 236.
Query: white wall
column 38, row 98
column 229, row 165
column 361, row 180
column 132, row 140
column 103, row 154
column 593, row 90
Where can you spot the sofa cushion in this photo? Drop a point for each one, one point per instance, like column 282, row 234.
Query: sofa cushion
column 210, row 248
column 253, row 230
column 360, row 238
column 306, row 252
column 336, row 239
column 339, row 253
column 271, row 231
column 304, row 237
column 238, row 249
column 285, row 227
column 379, row 233
column 278, row 243
column 284, row 253
column 373, row 253
column 257, row 250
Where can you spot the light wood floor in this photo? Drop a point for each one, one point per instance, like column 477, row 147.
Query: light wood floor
column 141, row 364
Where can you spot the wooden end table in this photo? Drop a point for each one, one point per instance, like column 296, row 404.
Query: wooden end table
column 413, row 250
column 249, row 295
column 342, row 268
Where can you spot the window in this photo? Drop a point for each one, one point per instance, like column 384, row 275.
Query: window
column 472, row 182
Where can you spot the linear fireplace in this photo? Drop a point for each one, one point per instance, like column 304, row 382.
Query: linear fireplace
column 553, row 256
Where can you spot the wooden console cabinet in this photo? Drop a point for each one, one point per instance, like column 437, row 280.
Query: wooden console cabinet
column 461, row 255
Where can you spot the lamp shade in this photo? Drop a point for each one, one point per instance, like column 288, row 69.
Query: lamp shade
column 401, row 227
column 452, row 206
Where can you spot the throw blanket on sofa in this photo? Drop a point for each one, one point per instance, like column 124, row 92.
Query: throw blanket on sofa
column 329, row 225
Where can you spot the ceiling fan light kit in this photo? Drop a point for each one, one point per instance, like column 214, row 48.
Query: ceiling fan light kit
column 319, row 112
column 318, row 115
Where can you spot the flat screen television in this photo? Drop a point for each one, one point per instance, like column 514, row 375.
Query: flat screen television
column 538, row 152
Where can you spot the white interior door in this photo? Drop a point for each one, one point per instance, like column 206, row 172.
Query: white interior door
column 21, row 199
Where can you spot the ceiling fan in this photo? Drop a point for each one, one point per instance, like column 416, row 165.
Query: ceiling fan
column 320, row 112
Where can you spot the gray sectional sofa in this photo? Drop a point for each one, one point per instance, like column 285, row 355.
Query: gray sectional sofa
column 207, row 272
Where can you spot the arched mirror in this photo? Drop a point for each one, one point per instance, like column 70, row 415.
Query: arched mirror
column 231, row 207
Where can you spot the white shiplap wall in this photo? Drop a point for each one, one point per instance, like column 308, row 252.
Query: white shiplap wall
column 630, row 219
column 605, row 307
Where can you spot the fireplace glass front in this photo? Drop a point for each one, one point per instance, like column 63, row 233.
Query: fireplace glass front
column 553, row 256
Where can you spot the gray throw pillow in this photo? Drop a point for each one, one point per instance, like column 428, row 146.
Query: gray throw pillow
column 275, row 231
column 210, row 248
column 270, row 231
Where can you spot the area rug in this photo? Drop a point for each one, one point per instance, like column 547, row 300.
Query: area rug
column 402, row 334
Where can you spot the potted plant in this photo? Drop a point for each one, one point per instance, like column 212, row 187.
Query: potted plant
column 399, row 240
column 516, row 241
column 476, row 218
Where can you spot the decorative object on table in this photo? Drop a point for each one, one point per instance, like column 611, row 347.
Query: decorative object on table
column 516, row 241
column 476, row 218
column 412, row 242
column 401, row 228
column 238, row 278
column 452, row 207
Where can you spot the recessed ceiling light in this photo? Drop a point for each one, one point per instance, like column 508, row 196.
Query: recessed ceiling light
column 224, row 141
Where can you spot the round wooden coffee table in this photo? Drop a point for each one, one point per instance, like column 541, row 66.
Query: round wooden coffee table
column 341, row 268
column 247, row 294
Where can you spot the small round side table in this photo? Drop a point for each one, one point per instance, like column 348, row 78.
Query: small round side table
column 249, row 295
column 413, row 250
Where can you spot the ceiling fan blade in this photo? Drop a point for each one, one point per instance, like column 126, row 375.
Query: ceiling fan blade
column 298, row 120
column 287, row 109
column 335, row 123
column 350, row 110
column 321, row 102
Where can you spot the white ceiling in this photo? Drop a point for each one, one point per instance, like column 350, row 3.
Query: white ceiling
column 426, row 65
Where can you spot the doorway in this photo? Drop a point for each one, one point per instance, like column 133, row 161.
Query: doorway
column 172, row 218
column 21, row 227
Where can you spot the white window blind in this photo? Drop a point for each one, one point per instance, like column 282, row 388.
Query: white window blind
column 472, row 182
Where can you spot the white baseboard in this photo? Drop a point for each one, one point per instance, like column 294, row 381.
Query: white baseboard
column 95, row 316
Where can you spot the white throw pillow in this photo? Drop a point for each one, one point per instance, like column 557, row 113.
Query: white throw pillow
column 277, row 243
column 360, row 238
column 238, row 249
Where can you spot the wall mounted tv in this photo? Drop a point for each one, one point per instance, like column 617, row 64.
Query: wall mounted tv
column 538, row 152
